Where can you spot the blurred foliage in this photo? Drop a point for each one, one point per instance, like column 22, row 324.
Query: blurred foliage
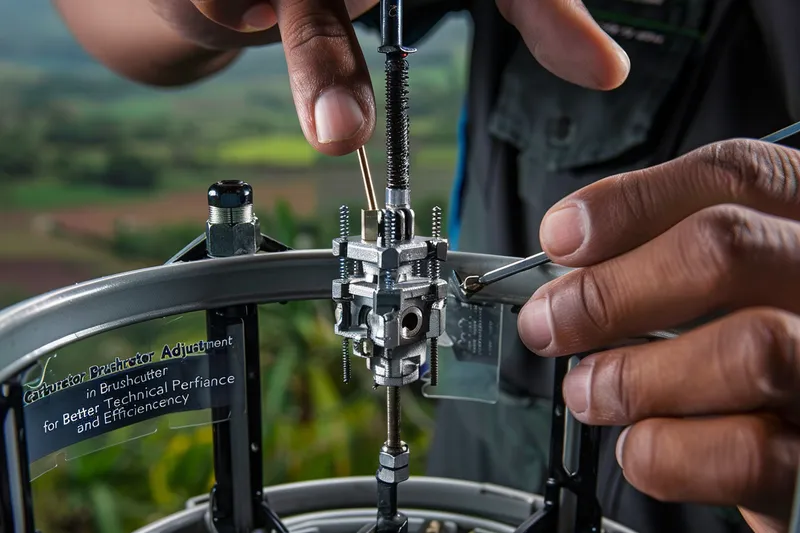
column 279, row 151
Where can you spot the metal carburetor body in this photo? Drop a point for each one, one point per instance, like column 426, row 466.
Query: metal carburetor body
column 390, row 298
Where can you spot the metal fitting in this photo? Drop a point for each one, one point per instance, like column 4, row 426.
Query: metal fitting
column 390, row 475
column 232, row 227
column 394, row 458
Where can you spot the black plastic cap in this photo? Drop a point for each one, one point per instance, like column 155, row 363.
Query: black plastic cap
column 230, row 194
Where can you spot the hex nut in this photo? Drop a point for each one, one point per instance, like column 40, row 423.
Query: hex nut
column 387, row 475
column 227, row 240
column 340, row 290
column 340, row 247
column 387, row 300
column 389, row 259
column 394, row 460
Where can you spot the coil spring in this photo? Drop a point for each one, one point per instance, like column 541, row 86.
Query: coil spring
column 397, row 123
column 390, row 238
column 344, row 232
column 346, row 360
column 434, row 269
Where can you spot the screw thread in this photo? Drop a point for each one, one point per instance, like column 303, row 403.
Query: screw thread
column 434, row 271
column 434, row 361
column 390, row 238
column 397, row 123
column 344, row 232
column 346, row 360
column 393, row 417
column 230, row 215
column 434, row 268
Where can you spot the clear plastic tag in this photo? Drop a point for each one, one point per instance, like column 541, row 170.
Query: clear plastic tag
column 125, row 384
column 469, row 350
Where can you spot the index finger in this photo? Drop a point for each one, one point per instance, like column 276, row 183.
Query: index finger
column 565, row 39
column 328, row 74
column 619, row 213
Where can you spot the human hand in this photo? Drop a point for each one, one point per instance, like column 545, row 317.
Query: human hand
column 328, row 74
column 713, row 414
column 565, row 40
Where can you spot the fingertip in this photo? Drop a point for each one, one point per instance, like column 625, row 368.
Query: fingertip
column 614, row 74
column 620, row 448
column 343, row 121
column 534, row 325
column 259, row 17
column 564, row 232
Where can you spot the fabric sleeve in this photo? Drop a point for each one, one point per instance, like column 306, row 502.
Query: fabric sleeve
column 779, row 21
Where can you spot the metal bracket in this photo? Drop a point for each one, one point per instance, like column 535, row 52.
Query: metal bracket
column 16, row 503
column 582, row 483
column 197, row 249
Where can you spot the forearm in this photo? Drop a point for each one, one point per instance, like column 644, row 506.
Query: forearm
column 129, row 38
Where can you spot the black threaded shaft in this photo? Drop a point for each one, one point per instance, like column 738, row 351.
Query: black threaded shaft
column 393, row 418
column 397, row 123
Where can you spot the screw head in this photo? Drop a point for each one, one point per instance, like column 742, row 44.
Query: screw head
column 230, row 194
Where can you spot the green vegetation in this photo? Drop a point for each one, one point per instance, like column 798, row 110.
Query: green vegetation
column 276, row 151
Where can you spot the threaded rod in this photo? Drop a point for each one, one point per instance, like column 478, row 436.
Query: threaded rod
column 393, row 418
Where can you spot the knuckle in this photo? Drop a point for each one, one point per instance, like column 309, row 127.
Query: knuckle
column 638, row 195
column 772, row 361
column 304, row 30
column 593, row 298
column 724, row 239
column 745, row 167
column 627, row 386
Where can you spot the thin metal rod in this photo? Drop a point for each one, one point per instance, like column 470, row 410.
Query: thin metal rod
column 785, row 133
column 393, row 417
column 366, row 175
column 514, row 268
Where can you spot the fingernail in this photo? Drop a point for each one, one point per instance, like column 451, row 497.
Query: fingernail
column 621, row 445
column 564, row 231
column 623, row 57
column 577, row 387
column 337, row 115
column 260, row 17
column 534, row 324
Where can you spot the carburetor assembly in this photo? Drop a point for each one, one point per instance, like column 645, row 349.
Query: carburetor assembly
column 390, row 300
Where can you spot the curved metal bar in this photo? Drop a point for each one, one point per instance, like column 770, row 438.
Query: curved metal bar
column 38, row 326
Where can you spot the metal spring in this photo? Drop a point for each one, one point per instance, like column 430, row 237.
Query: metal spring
column 390, row 239
column 397, row 123
column 344, row 232
column 434, row 269
column 346, row 360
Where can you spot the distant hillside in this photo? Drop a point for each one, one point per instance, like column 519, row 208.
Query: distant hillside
column 32, row 34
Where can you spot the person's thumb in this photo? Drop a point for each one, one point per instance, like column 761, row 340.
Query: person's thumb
column 564, row 38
